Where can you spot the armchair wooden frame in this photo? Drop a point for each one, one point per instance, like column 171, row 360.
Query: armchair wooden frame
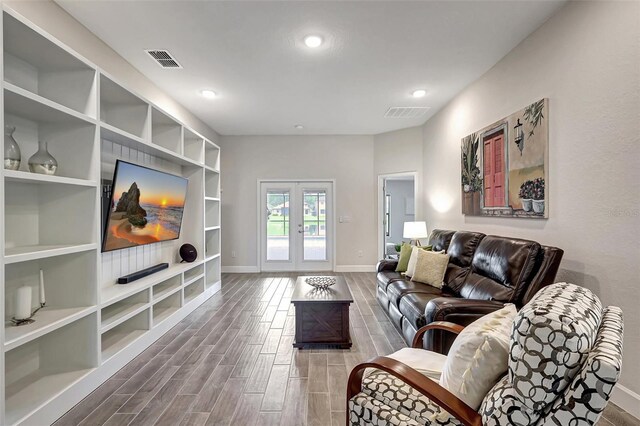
column 427, row 387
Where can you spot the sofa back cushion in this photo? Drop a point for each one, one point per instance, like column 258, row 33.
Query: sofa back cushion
column 462, row 247
column 500, row 270
column 440, row 239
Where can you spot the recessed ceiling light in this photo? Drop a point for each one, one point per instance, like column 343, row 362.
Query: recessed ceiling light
column 419, row 93
column 313, row 41
column 208, row 94
column 298, row 126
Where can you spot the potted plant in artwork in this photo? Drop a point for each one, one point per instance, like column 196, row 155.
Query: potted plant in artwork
column 471, row 180
column 538, row 195
column 526, row 195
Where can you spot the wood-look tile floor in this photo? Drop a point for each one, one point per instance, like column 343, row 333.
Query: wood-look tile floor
column 231, row 362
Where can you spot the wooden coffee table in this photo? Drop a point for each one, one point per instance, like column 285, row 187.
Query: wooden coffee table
column 322, row 316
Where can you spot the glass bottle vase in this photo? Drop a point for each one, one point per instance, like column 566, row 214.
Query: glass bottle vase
column 12, row 155
column 42, row 162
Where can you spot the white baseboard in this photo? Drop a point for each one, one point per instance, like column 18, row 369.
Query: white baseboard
column 355, row 268
column 240, row 269
column 626, row 399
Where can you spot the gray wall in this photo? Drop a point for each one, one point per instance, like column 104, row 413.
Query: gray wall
column 586, row 60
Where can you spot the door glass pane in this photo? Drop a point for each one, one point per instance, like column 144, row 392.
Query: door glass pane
column 315, row 225
column 277, row 225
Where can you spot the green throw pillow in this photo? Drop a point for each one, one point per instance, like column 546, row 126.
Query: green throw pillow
column 403, row 259
column 405, row 255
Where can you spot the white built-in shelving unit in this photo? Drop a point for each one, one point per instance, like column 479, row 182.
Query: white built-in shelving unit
column 90, row 326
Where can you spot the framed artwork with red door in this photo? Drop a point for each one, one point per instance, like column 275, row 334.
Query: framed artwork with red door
column 505, row 166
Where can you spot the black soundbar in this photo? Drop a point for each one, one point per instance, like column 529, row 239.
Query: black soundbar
column 143, row 273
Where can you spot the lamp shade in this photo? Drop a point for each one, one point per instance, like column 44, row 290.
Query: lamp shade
column 415, row 230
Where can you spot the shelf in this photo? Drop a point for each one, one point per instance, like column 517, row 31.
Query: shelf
column 214, row 256
column 161, row 314
column 39, row 370
column 211, row 184
column 116, row 292
column 213, row 272
column 212, row 243
column 124, row 334
column 191, row 280
column 193, row 273
column 193, row 146
column 70, row 136
column 41, row 65
column 19, row 101
column 36, row 178
column 165, row 308
column 193, row 290
column 26, row 253
column 166, row 132
column 211, row 215
column 212, row 198
column 113, row 341
column 167, row 287
column 121, row 311
column 47, row 319
column 212, row 157
column 121, row 137
column 37, row 388
column 122, row 109
column 212, row 228
column 211, row 169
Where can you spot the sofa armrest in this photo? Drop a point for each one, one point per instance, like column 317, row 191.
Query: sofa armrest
column 452, row 404
column 387, row 265
column 456, row 310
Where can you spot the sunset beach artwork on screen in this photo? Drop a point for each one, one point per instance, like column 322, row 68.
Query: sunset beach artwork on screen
column 146, row 207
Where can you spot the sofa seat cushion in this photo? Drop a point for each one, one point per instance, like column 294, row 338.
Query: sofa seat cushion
column 397, row 289
column 387, row 277
column 387, row 390
column 412, row 306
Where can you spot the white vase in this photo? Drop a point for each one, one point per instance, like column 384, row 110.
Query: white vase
column 526, row 204
column 42, row 162
column 538, row 206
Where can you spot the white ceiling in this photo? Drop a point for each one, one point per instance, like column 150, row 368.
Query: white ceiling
column 252, row 54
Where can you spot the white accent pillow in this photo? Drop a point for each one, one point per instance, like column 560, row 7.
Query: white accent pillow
column 430, row 268
column 479, row 356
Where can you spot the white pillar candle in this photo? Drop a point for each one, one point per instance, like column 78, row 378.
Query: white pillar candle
column 42, row 299
column 23, row 302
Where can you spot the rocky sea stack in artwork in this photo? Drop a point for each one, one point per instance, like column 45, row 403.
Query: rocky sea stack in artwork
column 129, row 204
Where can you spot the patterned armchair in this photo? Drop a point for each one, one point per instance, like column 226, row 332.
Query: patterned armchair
column 565, row 359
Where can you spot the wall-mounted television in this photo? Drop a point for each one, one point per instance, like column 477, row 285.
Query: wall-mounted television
column 146, row 206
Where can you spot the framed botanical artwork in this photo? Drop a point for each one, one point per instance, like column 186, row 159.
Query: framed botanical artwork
column 505, row 166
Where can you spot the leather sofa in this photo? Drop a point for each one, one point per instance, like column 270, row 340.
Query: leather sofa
column 484, row 273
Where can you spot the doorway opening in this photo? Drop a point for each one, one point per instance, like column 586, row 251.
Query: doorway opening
column 397, row 205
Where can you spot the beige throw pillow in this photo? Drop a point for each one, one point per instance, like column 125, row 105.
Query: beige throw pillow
column 411, row 266
column 479, row 357
column 430, row 268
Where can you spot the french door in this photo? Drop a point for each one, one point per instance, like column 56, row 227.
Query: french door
column 296, row 226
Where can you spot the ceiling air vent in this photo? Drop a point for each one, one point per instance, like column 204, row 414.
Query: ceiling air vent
column 163, row 58
column 405, row 112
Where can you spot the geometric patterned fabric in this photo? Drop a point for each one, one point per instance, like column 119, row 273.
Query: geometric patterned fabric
column 565, row 359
